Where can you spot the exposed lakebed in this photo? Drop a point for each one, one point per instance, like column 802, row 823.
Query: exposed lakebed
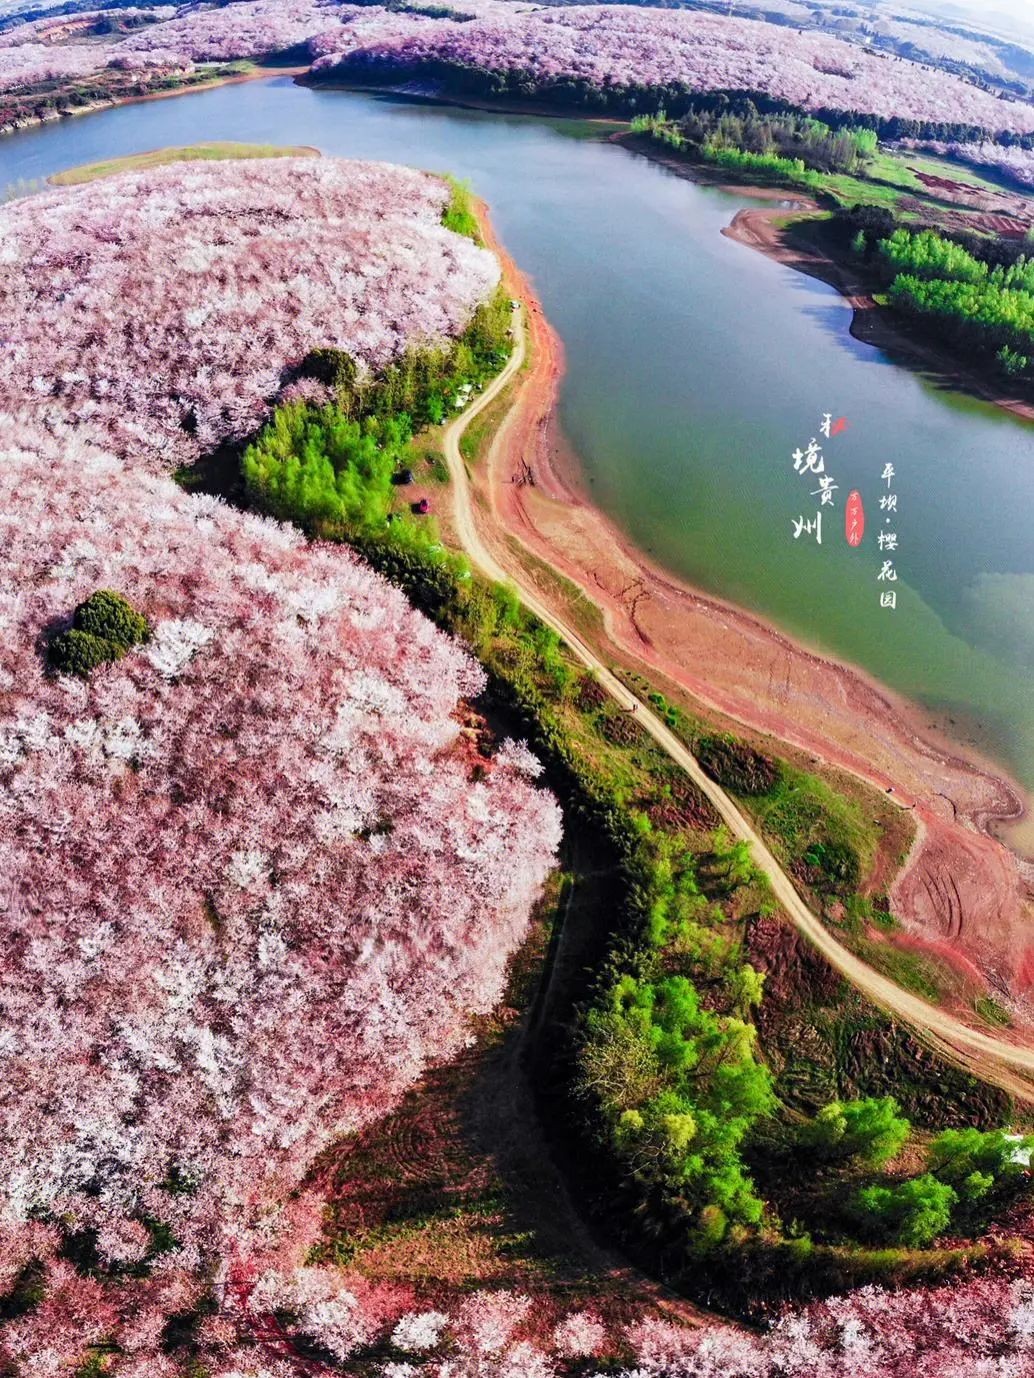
column 695, row 367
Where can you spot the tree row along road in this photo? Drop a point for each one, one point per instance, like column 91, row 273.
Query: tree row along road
column 987, row 1056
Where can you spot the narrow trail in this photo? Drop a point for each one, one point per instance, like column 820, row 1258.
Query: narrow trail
column 987, row 1056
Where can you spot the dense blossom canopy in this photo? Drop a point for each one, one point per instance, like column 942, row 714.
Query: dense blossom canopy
column 604, row 44
column 250, row 887
column 253, row 28
column 622, row 44
column 164, row 306
column 250, row 884
column 179, row 39
column 973, row 1329
column 28, row 64
column 976, row 1328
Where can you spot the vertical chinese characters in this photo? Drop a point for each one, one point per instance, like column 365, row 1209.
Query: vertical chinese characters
column 811, row 461
column 888, row 540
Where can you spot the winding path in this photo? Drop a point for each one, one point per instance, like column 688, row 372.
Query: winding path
column 987, row 1056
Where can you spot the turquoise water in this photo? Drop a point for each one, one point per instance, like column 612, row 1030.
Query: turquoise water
column 695, row 368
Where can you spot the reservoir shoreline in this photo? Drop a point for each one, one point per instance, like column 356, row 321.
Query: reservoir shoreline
column 739, row 663
column 531, row 489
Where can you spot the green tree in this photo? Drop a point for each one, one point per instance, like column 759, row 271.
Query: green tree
column 109, row 615
column 927, row 254
column 913, row 1212
column 78, row 653
column 678, row 1086
column 872, row 1129
column 104, row 628
column 1013, row 363
column 976, row 1163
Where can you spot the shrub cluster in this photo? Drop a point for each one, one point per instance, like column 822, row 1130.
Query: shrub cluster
column 872, row 1130
column 330, row 468
column 969, row 1173
column 103, row 629
column 787, row 146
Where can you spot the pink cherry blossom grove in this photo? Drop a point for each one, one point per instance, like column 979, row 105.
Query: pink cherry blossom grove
column 29, row 64
column 614, row 45
column 162, row 307
column 604, row 44
column 974, row 1329
column 253, row 28
column 178, row 40
column 58, row 28
column 250, row 887
column 980, row 1328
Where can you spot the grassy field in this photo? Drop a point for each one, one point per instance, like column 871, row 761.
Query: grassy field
column 891, row 176
column 889, row 180
column 158, row 157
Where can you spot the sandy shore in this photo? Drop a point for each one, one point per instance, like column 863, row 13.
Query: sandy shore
column 962, row 888
column 763, row 228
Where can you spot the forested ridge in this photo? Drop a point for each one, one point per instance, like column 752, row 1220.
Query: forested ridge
column 958, row 291
column 788, row 146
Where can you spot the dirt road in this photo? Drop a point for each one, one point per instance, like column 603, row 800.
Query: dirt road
column 988, row 1056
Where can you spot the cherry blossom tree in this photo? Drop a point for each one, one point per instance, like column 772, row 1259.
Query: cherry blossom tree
column 616, row 45
column 163, row 307
column 325, row 1312
column 250, row 887
column 603, row 44
column 580, row 1335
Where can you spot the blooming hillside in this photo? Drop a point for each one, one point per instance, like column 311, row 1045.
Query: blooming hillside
column 27, row 64
column 606, row 44
column 162, row 307
column 55, row 48
column 623, row 45
column 250, row 885
column 55, row 28
column 253, row 28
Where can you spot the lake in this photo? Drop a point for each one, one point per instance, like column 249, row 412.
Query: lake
column 696, row 369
